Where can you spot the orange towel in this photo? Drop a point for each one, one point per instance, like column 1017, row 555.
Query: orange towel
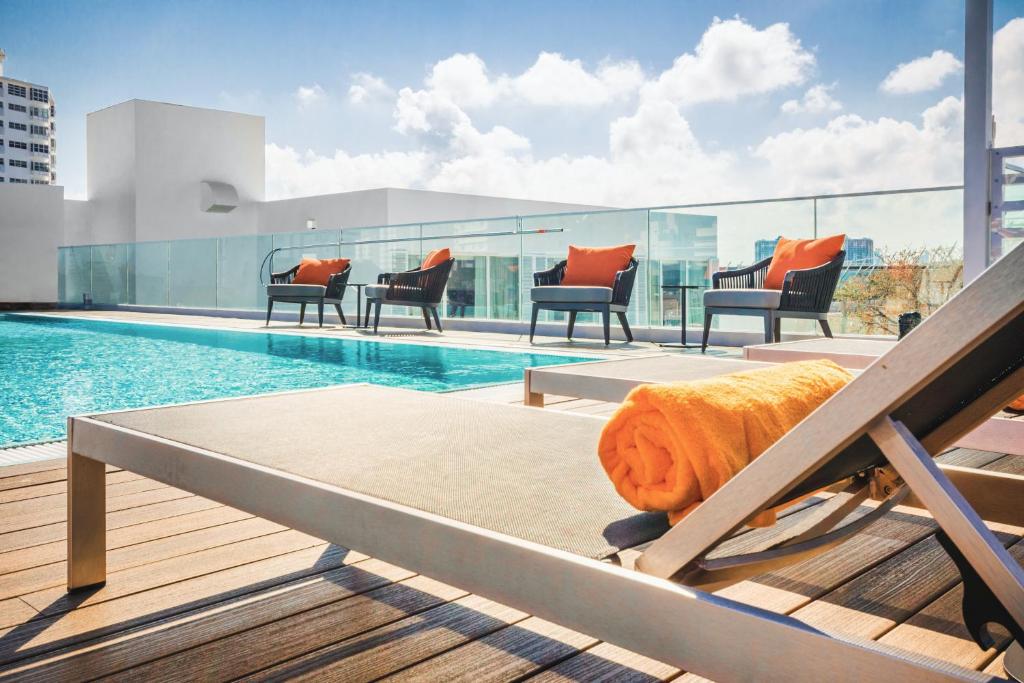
column 670, row 446
column 1017, row 405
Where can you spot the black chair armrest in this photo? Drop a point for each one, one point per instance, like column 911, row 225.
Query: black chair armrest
column 622, row 290
column 284, row 277
column 426, row 285
column 336, row 284
column 811, row 289
column 551, row 277
column 751, row 277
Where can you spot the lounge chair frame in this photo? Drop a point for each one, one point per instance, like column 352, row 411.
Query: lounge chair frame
column 622, row 291
column 865, row 423
column 334, row 294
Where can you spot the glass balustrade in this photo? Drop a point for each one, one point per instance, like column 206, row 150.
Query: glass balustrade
column 904, row 253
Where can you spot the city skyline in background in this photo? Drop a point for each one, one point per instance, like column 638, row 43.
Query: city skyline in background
column 634, row 107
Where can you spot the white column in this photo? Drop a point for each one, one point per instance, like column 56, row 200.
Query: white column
column 977, row 134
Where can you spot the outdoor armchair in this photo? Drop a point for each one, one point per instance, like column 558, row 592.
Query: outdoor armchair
column 550, row 294
column 420, row 287
column 282, row 290
column 806, row 293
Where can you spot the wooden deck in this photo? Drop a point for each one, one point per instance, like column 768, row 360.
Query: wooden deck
column 199, row 590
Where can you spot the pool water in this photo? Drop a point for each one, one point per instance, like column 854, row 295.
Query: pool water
column 54, row 367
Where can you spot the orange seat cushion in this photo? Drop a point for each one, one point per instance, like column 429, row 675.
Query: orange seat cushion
column 596, row 266
column 436, row 258
column 314, row 271
column 799, row 254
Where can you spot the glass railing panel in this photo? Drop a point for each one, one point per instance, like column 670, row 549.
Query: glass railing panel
column 150, row 273
column 192, row 279
column 109, row 263
column 76, row 272
column 484, row 282
column 546, row 241
column 379, row 250
column 904, row 253
column 743, row 234
column 1006, row 230
column 238, row 271
column 683, row 251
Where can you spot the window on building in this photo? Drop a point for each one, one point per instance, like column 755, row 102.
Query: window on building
column 40, row 95
column 16, row 126
column 1, row 179
column 40, row 130
column 40, row 182
column 40, row 166
column 16, row 90
column 16, row 107
column 42, row 149
column 17, row 144
column 19, row 180
column 18, row 163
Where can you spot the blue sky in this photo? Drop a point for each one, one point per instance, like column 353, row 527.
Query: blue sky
column 255, row 56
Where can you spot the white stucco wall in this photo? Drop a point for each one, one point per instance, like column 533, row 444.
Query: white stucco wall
column 31, row 228
column 146, row 161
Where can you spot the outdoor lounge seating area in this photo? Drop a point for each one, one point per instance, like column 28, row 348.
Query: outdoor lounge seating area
column 522, row 529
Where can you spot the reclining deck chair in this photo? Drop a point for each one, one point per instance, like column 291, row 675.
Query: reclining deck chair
column 533, row 514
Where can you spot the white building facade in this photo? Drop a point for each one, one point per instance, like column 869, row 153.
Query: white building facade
column 29, row 140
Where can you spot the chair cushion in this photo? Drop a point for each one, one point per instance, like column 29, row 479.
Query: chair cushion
column 563, row 294
column 799, row 254
column 311, row 291
column 314, row 271
column 375, row 291
column 743, row 298
column 596, row 266
column 435, row 258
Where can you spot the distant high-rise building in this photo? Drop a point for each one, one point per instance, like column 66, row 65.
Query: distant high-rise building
column 764, row 249
column 860, row 250
column 28, row 141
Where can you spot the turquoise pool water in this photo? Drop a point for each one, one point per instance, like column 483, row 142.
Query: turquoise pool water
column 54, row 367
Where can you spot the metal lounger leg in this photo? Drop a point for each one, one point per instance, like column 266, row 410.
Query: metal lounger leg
column 426, row 317
column 437, row 319
column 376, row 316
column 606, row 323
column 572, row 324
column 320, row 313
column 270, row 307
column 707, row 332
column 302, row 313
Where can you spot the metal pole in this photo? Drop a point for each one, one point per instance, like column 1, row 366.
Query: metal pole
column 977, row 135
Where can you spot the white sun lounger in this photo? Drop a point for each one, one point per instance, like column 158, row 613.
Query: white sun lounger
column 510, row 502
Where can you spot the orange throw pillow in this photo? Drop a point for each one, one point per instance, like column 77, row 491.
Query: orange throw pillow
column 799, row 254
column 314, row 271
column 435, row 258
column 596, row 266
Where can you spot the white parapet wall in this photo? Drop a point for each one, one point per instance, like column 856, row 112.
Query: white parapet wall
column 31, row 229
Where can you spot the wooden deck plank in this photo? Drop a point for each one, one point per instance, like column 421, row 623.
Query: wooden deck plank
column 37, row 490
column 55, row 574
column 51, row 601
column 29, row 516
column 510, row 653
column 56, row 551
column 14, row 611
column 181, row 633
column 8, row 471
column 607, row 663
column 57, row 531
column 46, row 633
column 387, row 649
column 295, row 635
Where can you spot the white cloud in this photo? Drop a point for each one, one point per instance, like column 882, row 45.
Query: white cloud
column 367, row 88
column 294, row 174
column 921, row 74
column 734, row 59
column 556, row 81
column 818, row 99
column 463, row 79
column 307, row 96
column 851, row 153
column 1008, row 83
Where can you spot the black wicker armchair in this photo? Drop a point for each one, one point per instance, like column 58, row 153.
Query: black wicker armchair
column 282, row 290
column 419, row 287
column 805, row 293
column 549, row 294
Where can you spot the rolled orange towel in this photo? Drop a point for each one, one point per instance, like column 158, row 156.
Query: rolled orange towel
column 1017, row 405
column 670, row 446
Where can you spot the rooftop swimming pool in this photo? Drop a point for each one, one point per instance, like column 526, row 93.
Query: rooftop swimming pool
column 53, row 367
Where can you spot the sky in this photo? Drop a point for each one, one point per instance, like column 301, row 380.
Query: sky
column 609, row 103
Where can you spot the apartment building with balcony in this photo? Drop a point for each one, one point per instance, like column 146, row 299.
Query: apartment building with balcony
column 28, row 135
